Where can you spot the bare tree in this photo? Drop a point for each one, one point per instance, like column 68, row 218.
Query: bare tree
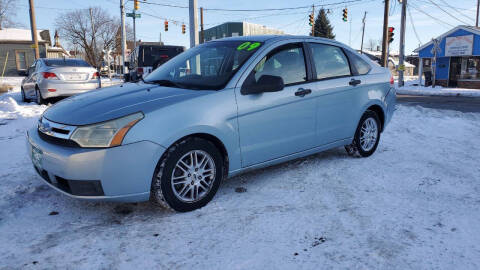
column 8, row 10
column 76, row 28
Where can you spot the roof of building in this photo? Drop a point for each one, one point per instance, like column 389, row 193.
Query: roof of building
column 17, row 34
column 472, row 29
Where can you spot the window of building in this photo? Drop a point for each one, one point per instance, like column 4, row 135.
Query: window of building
column 21, row 60
column 470, row 68
column 330, row 61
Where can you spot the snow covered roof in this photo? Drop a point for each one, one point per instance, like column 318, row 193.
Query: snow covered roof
column 472, row 29
column 16, row 34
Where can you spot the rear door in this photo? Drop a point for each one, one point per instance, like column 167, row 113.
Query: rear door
column 29, row 85
column 336, row 89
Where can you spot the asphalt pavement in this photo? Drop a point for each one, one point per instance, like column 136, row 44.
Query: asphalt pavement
column 463, row 104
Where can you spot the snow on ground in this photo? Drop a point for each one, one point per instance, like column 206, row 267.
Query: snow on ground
column 412, row 87
column 414, row 204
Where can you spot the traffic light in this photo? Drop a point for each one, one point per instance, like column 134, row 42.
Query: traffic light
column 183, row 28
column 310, row 19
column 345, row 15
column 166, row 26
column 390, row 34
column 135, row 4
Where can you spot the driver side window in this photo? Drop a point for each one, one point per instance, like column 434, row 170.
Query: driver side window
column 287, row 62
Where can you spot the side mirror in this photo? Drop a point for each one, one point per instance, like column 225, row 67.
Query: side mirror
column 266, row 83
column 23, row 73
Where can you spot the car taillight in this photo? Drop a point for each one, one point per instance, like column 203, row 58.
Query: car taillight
column 139, row 70
column 392, row 81
column 95, row 75
column 49, row 75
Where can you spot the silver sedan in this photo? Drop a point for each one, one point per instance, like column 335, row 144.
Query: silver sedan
column 48, row 78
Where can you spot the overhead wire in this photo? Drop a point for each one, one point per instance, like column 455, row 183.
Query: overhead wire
column 446, row 12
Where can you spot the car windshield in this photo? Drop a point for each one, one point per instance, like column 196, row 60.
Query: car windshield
column 206, row 67
column 66, row 63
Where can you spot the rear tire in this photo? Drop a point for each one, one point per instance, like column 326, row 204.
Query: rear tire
column 367, row 136
column 39, row 97
column 188, row 175
column 24, row 97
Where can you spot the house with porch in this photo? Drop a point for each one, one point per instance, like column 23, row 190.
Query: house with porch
column 453, row 58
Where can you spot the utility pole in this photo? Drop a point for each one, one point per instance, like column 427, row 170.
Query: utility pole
column 122, row 15
column 33, row 26
column 435, row 50
column 350, row 34
column 193, row 23
column 202, row 35
column 385, row 33
column 363, row 30
column 401, row 62
column 478, row 7
column 95, row 48
column 313, row 23
column 134, row 30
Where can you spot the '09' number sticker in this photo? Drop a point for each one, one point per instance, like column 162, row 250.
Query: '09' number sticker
column 248, row 46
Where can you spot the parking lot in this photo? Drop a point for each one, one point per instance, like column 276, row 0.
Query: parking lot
column 413, row 204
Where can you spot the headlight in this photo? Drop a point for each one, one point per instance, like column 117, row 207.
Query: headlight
column 106, row 134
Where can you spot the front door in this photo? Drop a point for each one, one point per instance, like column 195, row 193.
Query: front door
column 276, row 124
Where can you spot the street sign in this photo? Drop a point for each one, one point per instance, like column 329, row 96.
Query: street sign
column 136, row 15
column 33, row 46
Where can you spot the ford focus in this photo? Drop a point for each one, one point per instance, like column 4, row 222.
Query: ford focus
column 215, row 111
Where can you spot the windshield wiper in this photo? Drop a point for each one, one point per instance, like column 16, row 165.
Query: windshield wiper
column 165, row 83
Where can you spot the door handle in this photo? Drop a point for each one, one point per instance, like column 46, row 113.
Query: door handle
column 354, row 82
column 302, row 92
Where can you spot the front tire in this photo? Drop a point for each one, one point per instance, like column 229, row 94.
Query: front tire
column 367, row 135
column 188, row 175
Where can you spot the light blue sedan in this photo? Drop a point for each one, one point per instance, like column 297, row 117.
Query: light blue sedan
column 214, row 111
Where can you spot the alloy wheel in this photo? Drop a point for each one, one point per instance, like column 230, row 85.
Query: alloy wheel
column 193, row 176
column 368, row 134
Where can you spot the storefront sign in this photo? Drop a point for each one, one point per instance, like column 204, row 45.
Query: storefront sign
column 458, row 46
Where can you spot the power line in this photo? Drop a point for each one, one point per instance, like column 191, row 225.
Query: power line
column 448, row 12
column 457, row 10
column 421, row 11
column 413, row 26
column 253, row 10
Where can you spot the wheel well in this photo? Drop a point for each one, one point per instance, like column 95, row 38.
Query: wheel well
column 377, row 109
column 217, row 142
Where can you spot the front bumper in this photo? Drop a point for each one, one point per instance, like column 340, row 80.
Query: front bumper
column 122, row 173
column 66, row 88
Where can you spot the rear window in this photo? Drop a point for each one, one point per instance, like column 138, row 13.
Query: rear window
column 66, row 63
column 154, row 56
column 359, row 64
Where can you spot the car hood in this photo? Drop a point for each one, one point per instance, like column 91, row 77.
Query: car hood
column 114, row 102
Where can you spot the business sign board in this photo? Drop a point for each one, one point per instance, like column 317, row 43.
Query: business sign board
column 458, row 46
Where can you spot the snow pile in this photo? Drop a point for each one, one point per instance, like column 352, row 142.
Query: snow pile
column 11, row 109
column 414, row 204
column 412, row 88
column 11, row 82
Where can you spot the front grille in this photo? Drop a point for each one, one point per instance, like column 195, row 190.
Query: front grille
column 74, row 187
column 57, row 141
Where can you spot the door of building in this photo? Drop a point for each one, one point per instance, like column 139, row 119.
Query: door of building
column 455, row 68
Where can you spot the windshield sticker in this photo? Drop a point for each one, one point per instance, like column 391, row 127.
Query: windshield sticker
column 249, row 46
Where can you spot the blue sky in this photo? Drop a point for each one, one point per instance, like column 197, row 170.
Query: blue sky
column 429, row 20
